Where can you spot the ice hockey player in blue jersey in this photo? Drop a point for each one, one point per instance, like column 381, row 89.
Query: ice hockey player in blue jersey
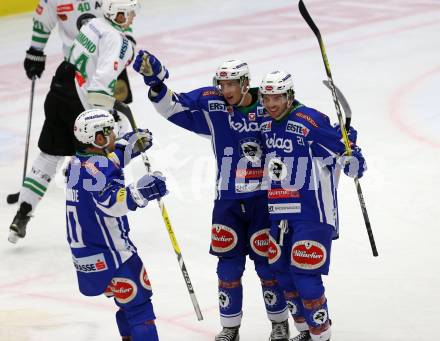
column 228, row 113
column 97, row 201
column 303, row 153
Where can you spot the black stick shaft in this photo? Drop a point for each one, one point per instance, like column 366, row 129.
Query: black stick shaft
column 305, row 14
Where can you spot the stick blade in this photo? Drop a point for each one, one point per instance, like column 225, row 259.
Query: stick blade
column 305, row 14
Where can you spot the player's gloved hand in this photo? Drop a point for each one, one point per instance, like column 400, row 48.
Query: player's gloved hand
column 34, row 63
column 150, row 67
column 352, row 133
column 147, row 188
column 354, row 165
column 128, row 142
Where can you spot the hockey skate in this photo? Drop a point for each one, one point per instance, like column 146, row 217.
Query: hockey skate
column 228, row 334
column 17, row 229
column 280, row 331
column 302, row 336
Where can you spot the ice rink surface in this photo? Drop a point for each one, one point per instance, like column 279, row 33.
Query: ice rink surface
column 385, row 57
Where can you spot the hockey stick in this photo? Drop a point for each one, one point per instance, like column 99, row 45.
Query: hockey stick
column 305, row 14
column 125, row 109
column 13, row 198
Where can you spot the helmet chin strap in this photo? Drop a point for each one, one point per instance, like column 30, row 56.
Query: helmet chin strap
column 103, row 146
column 244, row 93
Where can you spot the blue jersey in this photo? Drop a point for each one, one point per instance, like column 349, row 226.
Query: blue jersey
column 234, row 133
column 301, row 158
column 97, row 226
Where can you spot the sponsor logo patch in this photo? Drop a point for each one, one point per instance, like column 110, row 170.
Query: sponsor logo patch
column 216, row 106
column 285, row 145
column 243, row 126
column 260, row 242
column 124, row 289
column 308, row 254
column 266, row 126
column 285, row 208
column 248, row 187
column 273, row 251
column 252, row 173
column 297, row 128
column 211, row 93
column 91, row 168
column 307, row 118
column 145, row 281
column 260, row 111
column 223, row 238
column 252, row 116
column 95, row 263
column 280, row 193
column 64, row 8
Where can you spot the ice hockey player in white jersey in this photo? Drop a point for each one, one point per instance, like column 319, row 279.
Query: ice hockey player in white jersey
column 85, row 80
column 97, row 203
column 69, row 16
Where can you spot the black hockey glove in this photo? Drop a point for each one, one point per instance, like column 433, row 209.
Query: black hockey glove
column 34, row 63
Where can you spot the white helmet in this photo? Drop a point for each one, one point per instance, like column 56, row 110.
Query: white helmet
column 93, row 121
column 278, row 82
column 111, row 8
column 232, row 69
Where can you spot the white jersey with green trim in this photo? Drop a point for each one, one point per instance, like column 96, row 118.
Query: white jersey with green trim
column 70, row 16
column 99, row 53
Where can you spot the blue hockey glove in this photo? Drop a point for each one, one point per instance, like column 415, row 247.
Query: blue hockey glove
column 352, row 133
column 128, row 142
column 147, row 188
column 150, row 67
column 355, row 165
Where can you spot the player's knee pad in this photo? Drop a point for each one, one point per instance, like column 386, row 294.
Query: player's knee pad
column 230, row 268
column 123, row 326
column 144, row 331
column 309, row 286
column 139, row 314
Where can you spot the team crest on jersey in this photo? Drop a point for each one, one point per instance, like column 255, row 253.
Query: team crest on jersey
column 124, row 289
column 145, row 281
column 277, row 170
column 308, row 254
column 273, row 251
column 223, row 238
column 251, row 149
column 260, row 242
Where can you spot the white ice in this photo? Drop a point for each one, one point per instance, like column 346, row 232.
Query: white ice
column 385, row 57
